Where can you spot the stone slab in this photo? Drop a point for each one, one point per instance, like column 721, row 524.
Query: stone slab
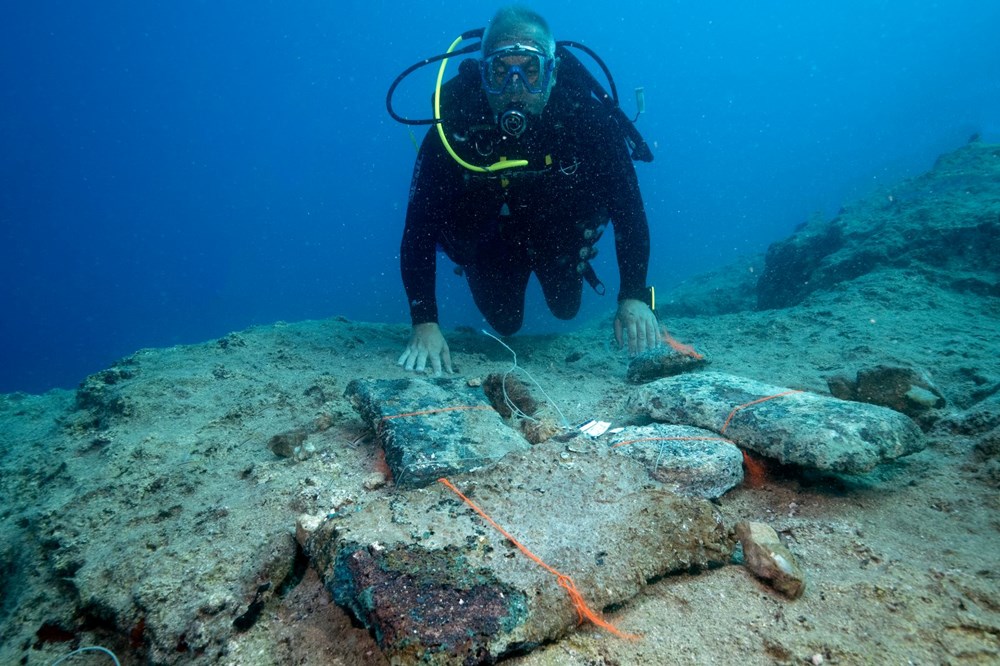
column 802, row 428
column 689, row 461
column 436, row 584
column 430, row 428
column 662, row 361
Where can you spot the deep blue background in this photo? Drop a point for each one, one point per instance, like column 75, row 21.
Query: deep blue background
column 172, row 171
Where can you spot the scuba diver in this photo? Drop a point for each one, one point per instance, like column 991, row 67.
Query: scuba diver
column 527, row 163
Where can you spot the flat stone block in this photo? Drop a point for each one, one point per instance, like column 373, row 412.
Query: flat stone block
column 435, row 583
column 430, row 428
column 689, row 461
column 802, row 428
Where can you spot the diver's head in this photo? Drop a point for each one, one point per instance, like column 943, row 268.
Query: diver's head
column 518, row 62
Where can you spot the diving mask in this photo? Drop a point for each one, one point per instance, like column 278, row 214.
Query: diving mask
column 530, row 65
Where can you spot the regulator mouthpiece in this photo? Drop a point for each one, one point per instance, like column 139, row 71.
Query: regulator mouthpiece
column 513, row 122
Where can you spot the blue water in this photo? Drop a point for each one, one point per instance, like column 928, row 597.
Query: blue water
column 173, row 171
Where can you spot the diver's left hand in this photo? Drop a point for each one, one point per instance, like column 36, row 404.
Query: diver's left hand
column 637, row 324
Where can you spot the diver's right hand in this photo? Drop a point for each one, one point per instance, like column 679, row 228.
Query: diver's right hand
column 426, row 342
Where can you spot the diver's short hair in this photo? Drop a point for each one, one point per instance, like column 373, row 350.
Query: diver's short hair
column 518, row 23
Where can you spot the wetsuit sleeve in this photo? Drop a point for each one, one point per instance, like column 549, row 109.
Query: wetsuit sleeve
column 428, row 201
column 628, row 215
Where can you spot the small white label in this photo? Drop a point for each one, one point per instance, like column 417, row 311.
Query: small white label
column 595, row 428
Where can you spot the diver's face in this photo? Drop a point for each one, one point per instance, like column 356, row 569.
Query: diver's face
column 516, row 78
column 514, row 68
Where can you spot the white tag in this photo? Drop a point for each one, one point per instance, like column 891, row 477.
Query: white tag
column 595, row 428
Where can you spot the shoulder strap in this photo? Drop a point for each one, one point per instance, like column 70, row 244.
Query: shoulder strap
column 579, row 81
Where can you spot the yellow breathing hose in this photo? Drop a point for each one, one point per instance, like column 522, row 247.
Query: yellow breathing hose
column 502, row 164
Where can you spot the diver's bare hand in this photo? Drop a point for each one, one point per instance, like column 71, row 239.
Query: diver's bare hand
column 426, row 343
column 636, row 324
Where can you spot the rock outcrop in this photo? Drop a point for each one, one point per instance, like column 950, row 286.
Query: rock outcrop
column 944, row 224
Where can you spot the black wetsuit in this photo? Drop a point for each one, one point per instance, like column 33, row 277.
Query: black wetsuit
column 542, row 218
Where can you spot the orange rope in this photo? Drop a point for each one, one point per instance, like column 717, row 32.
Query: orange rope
column 750, row 404
column 680, row 347
column 435, row 411
column 582, row 610
column 756, row 475
column 672, row 439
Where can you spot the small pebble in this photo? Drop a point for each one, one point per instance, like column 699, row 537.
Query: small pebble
column 374, row 481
